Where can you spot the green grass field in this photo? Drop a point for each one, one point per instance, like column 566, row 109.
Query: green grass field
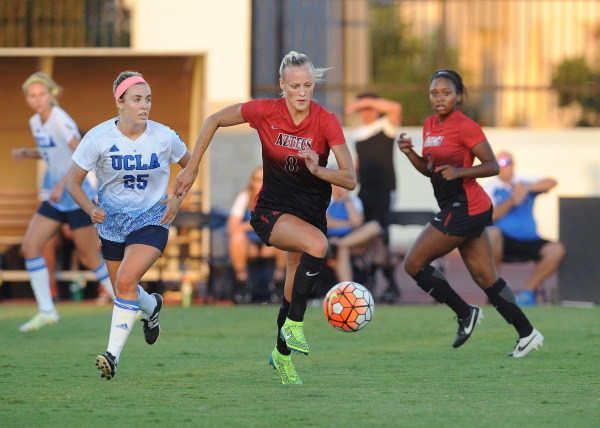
column 210, row 368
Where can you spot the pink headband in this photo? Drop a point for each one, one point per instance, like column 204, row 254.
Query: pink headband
column 128, row 83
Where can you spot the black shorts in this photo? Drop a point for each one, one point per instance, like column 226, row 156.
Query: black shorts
column 522, row 251
column 263, row 220
column 75, row 219
column 154, row 236
column 455, row 222
column 376, row 205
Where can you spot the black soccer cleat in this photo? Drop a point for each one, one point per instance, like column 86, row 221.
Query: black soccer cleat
column 107, row 364
column 467, row 325
column 151, row 326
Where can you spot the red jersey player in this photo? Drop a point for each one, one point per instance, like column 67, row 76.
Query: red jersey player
column 297, row 135
column 451, row 142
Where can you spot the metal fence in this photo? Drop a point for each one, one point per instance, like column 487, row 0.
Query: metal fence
column 531, row 63
column 64, row 23
column 525, row 62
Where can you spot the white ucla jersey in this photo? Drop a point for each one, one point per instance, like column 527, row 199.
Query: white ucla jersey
column 133, row 176
column 52, row 139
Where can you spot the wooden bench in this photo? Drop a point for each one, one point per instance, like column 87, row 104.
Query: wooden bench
column 16, row 209
column 83, row 276
column 405, row 218
column 173, row 267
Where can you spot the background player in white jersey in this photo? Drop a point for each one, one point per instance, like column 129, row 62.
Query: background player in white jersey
column 131, row 156
column 57, row 136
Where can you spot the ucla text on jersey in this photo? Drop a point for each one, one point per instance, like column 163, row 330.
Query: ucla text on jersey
column 131, row 162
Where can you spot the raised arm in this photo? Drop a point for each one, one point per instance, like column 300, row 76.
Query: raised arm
column 229, row 116
column 389, row 108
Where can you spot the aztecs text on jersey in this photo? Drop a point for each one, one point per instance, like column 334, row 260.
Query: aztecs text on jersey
column 288, row 185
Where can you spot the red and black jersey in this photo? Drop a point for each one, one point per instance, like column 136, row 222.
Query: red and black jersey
column 450, row 144
column 287, row 184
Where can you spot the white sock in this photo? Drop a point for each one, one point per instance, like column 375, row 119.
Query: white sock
column 40, row 283
column 101, row 273
column 123, row 317
column 147, row 302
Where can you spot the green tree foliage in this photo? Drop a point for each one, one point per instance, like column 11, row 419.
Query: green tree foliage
column 577, row 84
column 402, row 63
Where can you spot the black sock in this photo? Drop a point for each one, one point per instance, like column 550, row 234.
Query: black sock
column 306, row 275
column 501, row 296
column 284, row 308
column 434, row 283
column 388, row 272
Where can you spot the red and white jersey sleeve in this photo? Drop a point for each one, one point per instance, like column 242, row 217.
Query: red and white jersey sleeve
column 450, row 143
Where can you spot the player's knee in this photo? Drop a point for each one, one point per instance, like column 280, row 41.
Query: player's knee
column 316, row 245
column 411, row 266
column 484, row 279
column 126, row 283
column 28, row 250
column 553, row 250
column 319, row 248
column 90, row 259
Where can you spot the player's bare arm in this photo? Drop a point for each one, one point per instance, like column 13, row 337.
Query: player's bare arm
column 487, row 168
column 406, row 146
column 75, row 189
column 344, row 176
column 174, row 203
column 229, row 116
column 24, row 153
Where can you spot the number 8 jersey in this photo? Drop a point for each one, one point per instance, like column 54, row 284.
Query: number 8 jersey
column 133, row 176
column 288, row 185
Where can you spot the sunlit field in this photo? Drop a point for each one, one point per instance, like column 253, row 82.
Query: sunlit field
column 210, row 368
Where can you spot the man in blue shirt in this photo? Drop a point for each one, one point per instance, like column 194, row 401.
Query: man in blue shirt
column 514, row 234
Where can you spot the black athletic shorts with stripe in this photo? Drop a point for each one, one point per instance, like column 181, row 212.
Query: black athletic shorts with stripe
column 263, row 220
column 458, row 222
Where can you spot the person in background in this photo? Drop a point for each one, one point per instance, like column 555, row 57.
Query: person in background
column 346, row 230
column 451, row 142
column 245, row 244
column 57, row 136
column 514, row 234
column 132, row 158
column 297, row 135
column 374, row 140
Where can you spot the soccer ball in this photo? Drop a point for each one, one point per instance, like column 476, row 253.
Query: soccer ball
column 348, row 306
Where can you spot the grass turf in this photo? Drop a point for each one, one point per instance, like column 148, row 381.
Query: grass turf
column 210, row 368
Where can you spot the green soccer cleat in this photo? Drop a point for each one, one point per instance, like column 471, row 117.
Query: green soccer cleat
column 283, row 364
column 292, row 333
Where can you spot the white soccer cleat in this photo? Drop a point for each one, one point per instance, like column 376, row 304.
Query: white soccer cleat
column 527, row 344
column 39, row 320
